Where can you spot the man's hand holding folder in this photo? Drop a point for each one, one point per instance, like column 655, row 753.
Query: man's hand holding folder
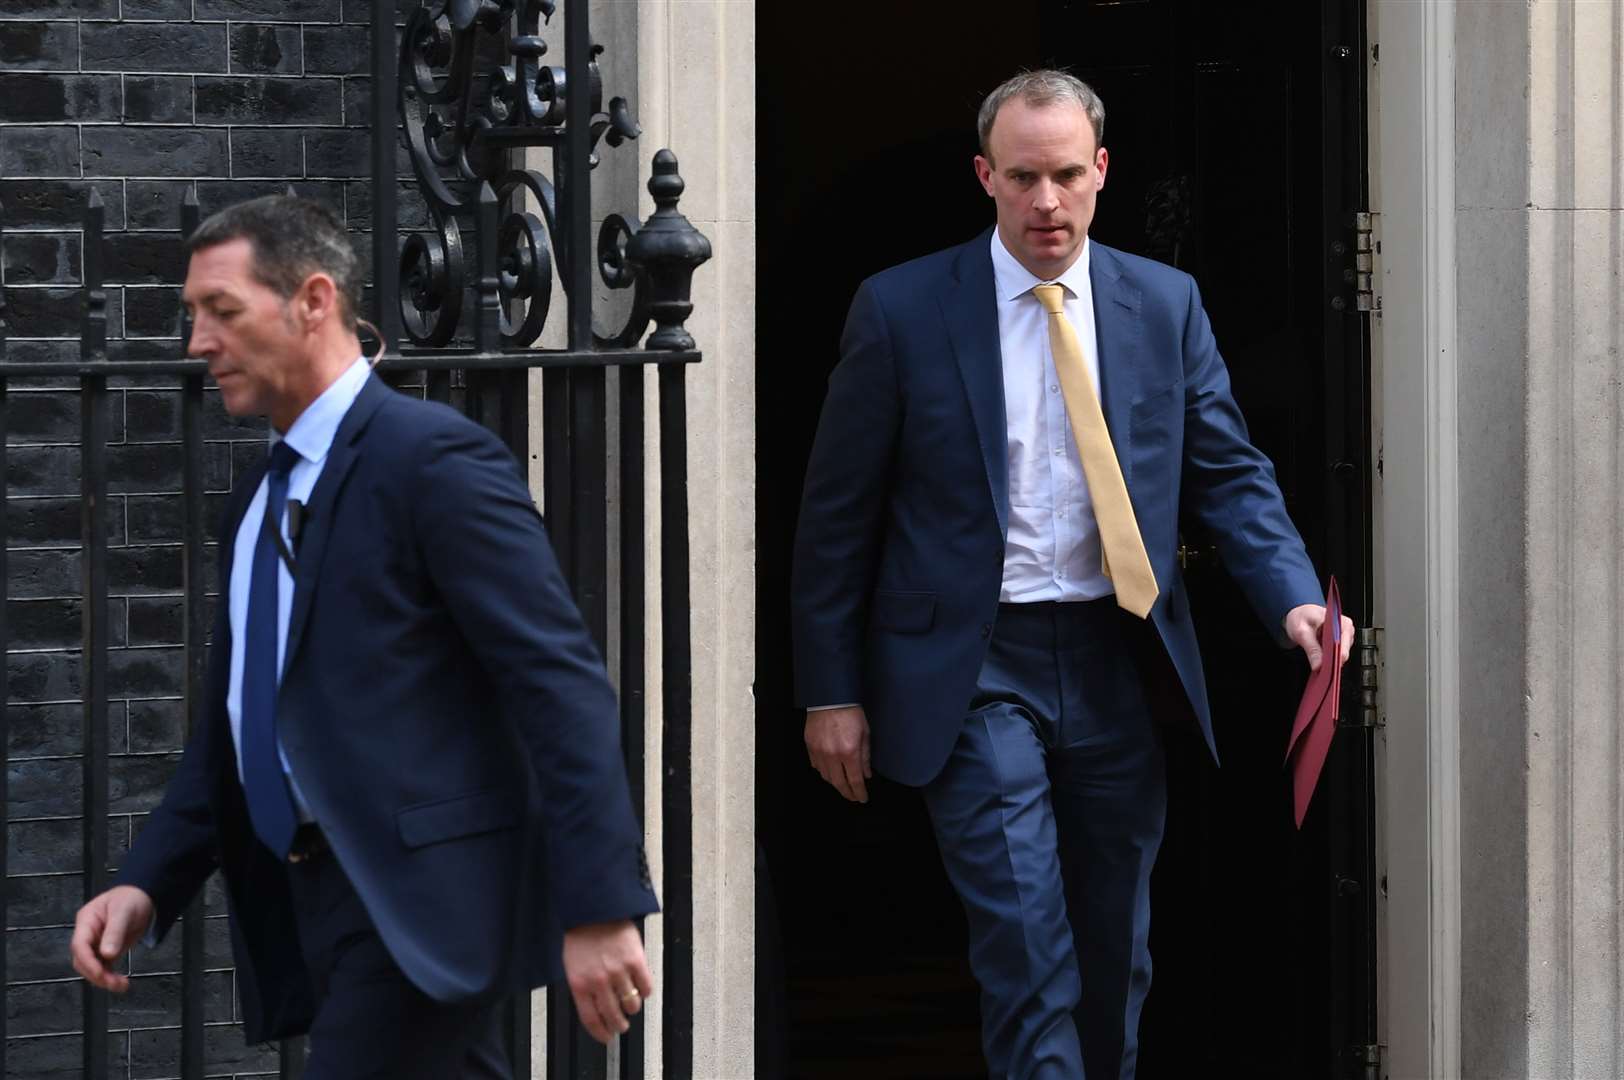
column 1322, row 633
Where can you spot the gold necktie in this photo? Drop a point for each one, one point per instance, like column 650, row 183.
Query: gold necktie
column 1122, row 557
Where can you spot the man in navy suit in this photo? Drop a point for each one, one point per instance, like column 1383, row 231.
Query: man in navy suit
column 407, row 767
column 986, row 594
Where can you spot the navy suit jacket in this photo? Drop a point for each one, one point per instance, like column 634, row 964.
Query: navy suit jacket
column 899, row 553
column 447, row 716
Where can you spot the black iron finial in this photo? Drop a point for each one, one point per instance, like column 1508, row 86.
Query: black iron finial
column 190, row 216
column 487, row 287
column 190, row 213
column 665, row 252
column 93, row 333
column 666, row 185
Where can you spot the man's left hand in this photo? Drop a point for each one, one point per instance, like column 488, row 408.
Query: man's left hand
column 608, row 976
column 1303, row 624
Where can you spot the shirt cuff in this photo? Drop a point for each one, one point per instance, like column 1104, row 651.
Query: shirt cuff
column 826, row 708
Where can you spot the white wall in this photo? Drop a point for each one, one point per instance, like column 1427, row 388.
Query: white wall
column 1498, row 130
column 1412, row 110
column 697, row 96
column 1574, row 224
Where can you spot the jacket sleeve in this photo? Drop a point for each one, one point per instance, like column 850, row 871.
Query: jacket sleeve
column 838, row 537
column 488, row 555
column 1229, row 485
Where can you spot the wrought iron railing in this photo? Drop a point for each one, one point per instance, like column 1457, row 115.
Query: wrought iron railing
column 464, row 304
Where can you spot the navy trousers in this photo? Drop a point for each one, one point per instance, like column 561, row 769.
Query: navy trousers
column 370, row 1020
column 1049, row 814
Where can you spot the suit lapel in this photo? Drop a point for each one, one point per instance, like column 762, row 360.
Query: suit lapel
column 1116, row 334
column 341, row 458
column 970, row 307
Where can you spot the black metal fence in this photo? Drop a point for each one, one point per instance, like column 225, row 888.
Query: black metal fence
column 462, row 318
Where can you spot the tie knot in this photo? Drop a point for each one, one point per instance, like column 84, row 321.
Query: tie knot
column 1052, row 297
column 283, row 458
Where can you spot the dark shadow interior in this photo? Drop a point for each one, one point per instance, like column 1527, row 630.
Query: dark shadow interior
column 1235, row 156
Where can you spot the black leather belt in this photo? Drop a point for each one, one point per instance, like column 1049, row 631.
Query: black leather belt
column 308, row 843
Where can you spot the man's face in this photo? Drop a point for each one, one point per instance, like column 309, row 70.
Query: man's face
column 244, row 330
column 1043, row 170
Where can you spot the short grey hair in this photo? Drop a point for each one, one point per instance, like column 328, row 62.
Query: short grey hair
column 291, row 239
column 1045, row 86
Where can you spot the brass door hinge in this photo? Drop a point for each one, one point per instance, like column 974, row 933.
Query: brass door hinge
column 1367, row 653
column 1368, row 1058
column 1366, row 246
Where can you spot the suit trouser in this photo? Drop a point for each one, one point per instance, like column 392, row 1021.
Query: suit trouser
column 370, row 1020
column 1049, row 814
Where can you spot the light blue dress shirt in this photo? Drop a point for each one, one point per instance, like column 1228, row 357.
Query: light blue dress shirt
column 312, row 436
column 1053, row 548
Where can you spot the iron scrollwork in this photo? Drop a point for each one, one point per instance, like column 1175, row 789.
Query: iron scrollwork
column 460, row 122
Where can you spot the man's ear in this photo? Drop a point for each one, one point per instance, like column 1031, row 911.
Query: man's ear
column 316, row 302
column 984, row 172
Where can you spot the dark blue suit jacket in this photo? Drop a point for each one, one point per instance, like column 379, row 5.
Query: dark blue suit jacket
column 899, row 554
column 446, row 714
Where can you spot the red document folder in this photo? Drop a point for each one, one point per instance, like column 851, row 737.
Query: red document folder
column 1317, row 714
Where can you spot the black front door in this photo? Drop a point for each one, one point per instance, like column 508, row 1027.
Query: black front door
column 1235, row 136
column 1236, row 156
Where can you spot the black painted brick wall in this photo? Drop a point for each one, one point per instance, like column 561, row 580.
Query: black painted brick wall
column 140, row 100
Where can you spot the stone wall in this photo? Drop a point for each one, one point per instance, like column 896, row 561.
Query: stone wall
column 1540, row 246
column 696, row 83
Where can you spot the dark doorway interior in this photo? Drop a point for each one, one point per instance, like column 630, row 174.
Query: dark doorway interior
column 1236, row 154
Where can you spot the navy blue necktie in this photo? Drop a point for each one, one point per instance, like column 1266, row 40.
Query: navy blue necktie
column 270, row 806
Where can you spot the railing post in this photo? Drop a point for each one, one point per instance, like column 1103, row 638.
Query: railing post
column 5, row 659
column 487, row 287
column 385, row 219
column 677, row 899
column 195, row 644
column 665, row 252
column 94, row 618
column 633, row 593
column 576, row 192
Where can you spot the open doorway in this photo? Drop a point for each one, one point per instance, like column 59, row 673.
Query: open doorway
column 1236, row 154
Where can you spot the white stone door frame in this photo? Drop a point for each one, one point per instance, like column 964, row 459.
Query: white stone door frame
column 1412, row 141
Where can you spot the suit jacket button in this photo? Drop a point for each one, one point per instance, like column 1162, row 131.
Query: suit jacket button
column 986, row 629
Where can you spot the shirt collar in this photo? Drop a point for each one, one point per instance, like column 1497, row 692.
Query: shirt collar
column 312, row 433
column 1014, row 280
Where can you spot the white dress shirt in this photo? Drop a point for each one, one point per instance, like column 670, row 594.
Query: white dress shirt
column 312, row 436
column 1053, row 549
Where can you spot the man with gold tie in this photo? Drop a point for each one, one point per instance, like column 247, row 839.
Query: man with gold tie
column 985, row 580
